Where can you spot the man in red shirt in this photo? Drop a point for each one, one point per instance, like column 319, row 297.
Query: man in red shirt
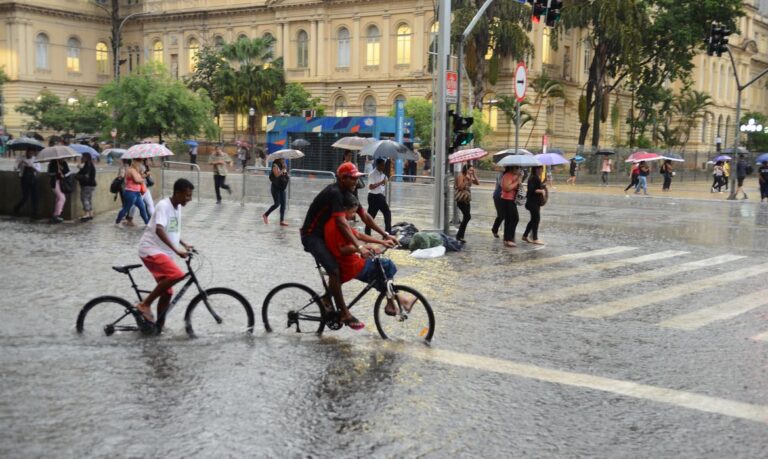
column 353, row 266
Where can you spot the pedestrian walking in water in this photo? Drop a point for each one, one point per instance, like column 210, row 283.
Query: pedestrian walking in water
column 605, row 170
column 497, row 203
column 763, row 180
column 57, row 170
column 667, row 171
column 642, row 177
column 536, row 196
column 633, row 174
column 28, row 170
column 377, row 199
column 220, row 160
column 718, row 174
column 463, row 196
column 510, row 184
column 726, row 174
column 741, row 174
column 87, row 178
column 192, row 155
column 132, row 193
column 279, row 178
column 572, row 167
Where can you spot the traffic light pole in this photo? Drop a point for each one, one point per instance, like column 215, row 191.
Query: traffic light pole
column 439, row 212
column 739, row 89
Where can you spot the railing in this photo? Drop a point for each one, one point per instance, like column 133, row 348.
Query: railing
column 328, row 174
column 250, row 169
column 413, row 178
column 166, row 165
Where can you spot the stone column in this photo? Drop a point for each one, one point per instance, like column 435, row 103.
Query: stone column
column 287, row 45
column 356, row 60
column 322, row 48
column 418, row 50
column 313, row 48
column 280, row 39
column 11, row 28
column 386, row 39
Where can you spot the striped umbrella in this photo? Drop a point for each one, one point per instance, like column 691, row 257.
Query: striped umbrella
column 147, row 150
column 466, row 155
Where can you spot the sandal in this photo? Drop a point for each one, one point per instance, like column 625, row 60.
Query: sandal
column 354, row 324
column 390, row 310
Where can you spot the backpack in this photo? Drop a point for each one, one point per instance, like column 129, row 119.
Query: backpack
column 117, row 185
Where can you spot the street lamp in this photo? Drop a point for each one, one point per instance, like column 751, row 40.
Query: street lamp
column 251, row 127
column 119, row 39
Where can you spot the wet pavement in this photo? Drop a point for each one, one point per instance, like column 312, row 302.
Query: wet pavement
column 640, row 329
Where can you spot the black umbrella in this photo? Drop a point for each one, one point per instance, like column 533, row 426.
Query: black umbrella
column 605, row 152
column 25, row 143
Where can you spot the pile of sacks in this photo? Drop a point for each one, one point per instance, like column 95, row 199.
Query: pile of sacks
column 424, row 244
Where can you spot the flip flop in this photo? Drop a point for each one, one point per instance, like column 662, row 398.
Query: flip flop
column 390, row 310
column 147, row 318
column 354, row 324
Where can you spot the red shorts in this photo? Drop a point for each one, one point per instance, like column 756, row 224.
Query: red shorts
column 163, row 268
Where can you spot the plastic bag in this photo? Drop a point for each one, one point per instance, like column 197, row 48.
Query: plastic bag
column 433, row 252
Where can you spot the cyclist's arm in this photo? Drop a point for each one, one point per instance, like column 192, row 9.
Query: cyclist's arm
column 160, row 231
column 346, row 231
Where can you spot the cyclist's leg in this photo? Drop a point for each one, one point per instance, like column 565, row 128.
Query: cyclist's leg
column 167, row 274
column 316, row 246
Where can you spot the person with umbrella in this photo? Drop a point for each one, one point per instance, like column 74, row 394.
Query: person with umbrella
column 510, row 184
column 28, row 170
column 57, row 170
column 220, row 160
column 377, row 200
column 717, row 177
column 666, row 170
column 279, row 178
column 605, row 170
column 463, row 196
column 741, row 174
column 536, row 195
column 87, row 178
column 762, row 178
column 132, row 193
column 642, row 177
column 572, row 167
column 726, row 173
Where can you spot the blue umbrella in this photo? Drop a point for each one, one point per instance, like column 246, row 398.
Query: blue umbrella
column 761, row 158
column 551, row 159
column 721, row 158
column 83, row 149
column 191, row 143
column 579, row 158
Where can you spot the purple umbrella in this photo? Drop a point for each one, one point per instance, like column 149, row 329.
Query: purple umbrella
column 551, row 159
column 721, row 158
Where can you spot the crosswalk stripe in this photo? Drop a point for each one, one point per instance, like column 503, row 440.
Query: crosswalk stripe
column 724, row 311
column 580, row 255
column 761, row 337
column 576, row 270
column 627, row 304
column 590, row 287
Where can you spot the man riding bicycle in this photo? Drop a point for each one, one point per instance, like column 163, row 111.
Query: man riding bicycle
column 328, row 205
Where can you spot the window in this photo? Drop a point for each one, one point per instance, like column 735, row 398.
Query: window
column 157, row 51
column 102, row 58
column 41, row 54
column 302, row 50
column 73, row 55
column 218, row 42
column 340, row 107
column 546, row 47
column 403, row 44
column 587, row 57
column 373, row 46
column 193, row 52
column 369, row 106
column 242, row 36
column 342, row 60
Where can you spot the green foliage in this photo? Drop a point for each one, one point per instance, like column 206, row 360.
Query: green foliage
column 49, row 112
column 480, row 128
column 295, row 99
column 508, row 106
column 151, row 103
column 3, row 76
column 756, row 141
column 546, row 90
column 208, row 64
column 420, row 110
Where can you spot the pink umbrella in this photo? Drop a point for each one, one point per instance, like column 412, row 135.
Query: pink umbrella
column 642, row 156
column 146, row 150
column 466, row 155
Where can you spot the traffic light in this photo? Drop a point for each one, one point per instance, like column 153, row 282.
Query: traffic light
column 461, row 134
column 717, row 42
column 539, row 8
column 553, row 13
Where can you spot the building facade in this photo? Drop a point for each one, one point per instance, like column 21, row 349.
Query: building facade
column 358, row 56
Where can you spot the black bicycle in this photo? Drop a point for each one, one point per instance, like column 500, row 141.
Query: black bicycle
column 296, row 308
column 212, row 311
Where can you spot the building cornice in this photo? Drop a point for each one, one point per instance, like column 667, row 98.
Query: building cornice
column 12, row 7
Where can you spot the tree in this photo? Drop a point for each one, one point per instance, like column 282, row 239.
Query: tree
column 420, row 110
column 690, row 108
column 643, row 42
column 508, row 106
column 150, row 102
column 49, row 112
column 546, row 89
column 502, row 32
column 756, row 141
column 207, row 76
column 295, row 99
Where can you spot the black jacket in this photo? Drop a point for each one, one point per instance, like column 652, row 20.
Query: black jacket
column 87, row 175
column 57, row 172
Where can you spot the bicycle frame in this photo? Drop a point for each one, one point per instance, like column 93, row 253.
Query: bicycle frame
column 388, row 282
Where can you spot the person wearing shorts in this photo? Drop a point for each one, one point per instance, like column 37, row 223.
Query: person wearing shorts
column 159, row 244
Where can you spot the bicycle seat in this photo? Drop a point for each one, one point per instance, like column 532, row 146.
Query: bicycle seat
column 126, row 268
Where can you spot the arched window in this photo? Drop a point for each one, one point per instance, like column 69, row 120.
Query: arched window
column 73, row 55
column 490, row 111
column 403, row 44
column 242, row 36
column 268, row 38
column 369, row 106
column 102, row 58
column 302, row 50
column 41, row 52
column 342, row 47
column 157, row 51
column 193, row 49
column 372, row 46
column 340, row 107
column 218, row 42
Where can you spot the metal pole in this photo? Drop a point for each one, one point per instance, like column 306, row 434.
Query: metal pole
column 734, row 165
column 458, row 75
column 439, row 213
column 119, row 42
column 517, row 125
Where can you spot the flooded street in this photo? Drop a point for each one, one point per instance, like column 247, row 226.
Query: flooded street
column 640, row 329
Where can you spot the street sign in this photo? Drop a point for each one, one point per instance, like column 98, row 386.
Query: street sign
column 521, row 77
column 451, row 87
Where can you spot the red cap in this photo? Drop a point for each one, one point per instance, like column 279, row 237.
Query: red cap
column 348, row 169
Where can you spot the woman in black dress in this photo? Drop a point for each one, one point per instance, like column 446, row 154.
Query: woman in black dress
column 536, row 196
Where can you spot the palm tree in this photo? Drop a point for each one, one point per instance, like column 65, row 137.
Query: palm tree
column 546, row 89
column 690, row 107
column 250, row 78
column 508, row 106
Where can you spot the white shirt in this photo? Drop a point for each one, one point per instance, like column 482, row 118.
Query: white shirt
column 170, row 219
column 23, row 162
column 376, row 176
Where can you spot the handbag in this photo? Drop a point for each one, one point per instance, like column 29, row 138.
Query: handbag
column 148, row 180
column 67, row 184
column 522, row 195
column 117, row 185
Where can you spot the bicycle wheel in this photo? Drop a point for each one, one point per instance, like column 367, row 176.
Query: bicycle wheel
column 218, row 311
column 107, row 315
column 292, row 308
column 418, row 324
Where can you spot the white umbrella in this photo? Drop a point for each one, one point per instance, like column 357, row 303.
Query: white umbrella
column 285, row 154
column 466, row 155
column 511, row 151
column 56, row 152
column 147, row 150
column 114, row 152
column 353, row 143
column 388, row 149
column 519, row 160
